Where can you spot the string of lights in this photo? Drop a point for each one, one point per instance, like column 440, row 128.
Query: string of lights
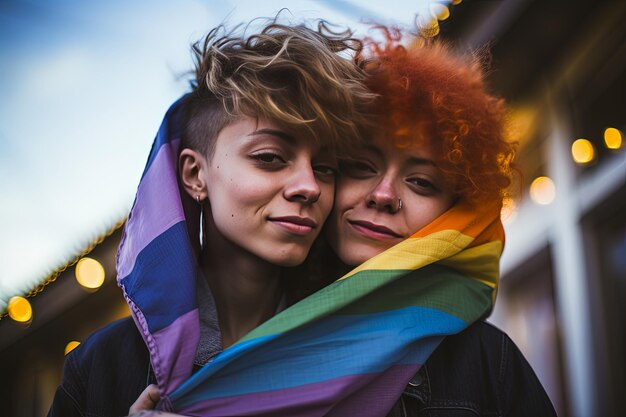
column 89, row 273
column 543, row 189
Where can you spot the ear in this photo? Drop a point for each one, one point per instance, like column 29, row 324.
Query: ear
column 192, row 166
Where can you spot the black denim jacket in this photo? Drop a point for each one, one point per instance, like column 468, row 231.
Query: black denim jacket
column 479, row 372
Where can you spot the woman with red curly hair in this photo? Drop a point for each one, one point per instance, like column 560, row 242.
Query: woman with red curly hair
column 439, row 151
column 440, row 140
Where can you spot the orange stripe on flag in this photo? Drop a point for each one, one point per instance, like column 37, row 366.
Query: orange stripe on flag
column 470, row 220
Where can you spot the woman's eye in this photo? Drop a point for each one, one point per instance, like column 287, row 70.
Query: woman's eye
column 354, row 168
column 422, row 184
column 268, row 158
column 325, row 170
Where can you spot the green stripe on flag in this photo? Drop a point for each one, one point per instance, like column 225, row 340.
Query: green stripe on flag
column 371, row 291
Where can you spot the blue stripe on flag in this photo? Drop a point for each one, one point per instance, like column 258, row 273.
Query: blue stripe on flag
column 167, row 288
column 333, row 347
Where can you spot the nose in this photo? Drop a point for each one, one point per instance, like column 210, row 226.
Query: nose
column 384, row 197
column 303, row 186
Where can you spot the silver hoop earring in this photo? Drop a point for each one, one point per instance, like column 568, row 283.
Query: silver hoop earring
column 201, row 234
column 399, row 203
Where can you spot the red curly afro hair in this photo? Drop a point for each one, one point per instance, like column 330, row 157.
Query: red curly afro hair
column 428, row 92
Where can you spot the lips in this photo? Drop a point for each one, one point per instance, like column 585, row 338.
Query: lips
column 294, row 224
column 373, row 230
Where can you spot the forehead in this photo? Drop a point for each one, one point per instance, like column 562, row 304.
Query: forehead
column 405, row 147
column 250, row 130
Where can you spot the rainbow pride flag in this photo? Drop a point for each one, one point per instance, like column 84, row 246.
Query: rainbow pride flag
column 348, row 349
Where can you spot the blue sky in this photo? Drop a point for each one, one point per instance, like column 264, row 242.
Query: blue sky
column 84, row 86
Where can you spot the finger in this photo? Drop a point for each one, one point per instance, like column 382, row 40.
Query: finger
column 147, row 400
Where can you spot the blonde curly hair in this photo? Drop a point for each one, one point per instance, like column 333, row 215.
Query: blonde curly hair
column 295, row 76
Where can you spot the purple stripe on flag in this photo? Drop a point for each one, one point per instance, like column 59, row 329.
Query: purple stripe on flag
column 363, row 395
column 379, row 395
column 157, row 208
column 177, row 356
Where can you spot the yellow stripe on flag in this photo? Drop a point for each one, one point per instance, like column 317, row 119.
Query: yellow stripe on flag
column 480, row 262
column 417, row 252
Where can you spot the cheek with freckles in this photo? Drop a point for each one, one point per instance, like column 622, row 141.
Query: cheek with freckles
column 237, row 206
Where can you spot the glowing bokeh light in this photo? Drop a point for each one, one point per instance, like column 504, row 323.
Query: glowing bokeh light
column 542, row 190
column 613, row 138
column 20, row 309
column 89, row 273
column 71, row 346
column 455, row 2
column 429, row 26
column 583, row 151
column 440, row 11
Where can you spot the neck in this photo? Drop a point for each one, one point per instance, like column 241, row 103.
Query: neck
column 246, row 288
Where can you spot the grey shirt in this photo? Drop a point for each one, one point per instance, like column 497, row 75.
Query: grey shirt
column 210, row 343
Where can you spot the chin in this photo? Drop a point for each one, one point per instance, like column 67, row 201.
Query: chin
column 288, row 258
column 355, row 254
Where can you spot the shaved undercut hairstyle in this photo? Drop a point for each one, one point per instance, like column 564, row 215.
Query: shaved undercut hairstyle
column 300, row 78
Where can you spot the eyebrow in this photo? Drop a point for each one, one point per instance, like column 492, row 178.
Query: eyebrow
column 421, row 161
column 414, row 160
column 285, row 137
column 280, row 134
